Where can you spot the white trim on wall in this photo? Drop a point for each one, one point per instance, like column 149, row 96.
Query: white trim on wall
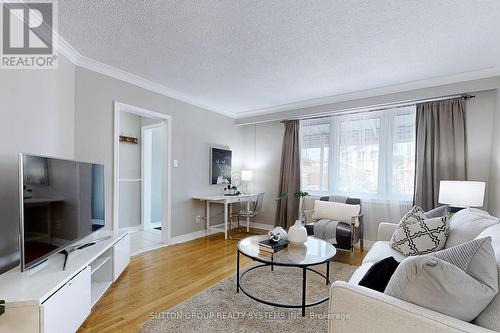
column 96, row 66
column 166, row 124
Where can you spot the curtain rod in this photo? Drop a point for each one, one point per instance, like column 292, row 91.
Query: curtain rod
column 380, row 107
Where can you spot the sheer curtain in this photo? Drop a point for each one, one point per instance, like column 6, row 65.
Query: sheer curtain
column 369, row 155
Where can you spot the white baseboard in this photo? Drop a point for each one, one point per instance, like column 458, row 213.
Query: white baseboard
column 191, row 236
column 202, row 233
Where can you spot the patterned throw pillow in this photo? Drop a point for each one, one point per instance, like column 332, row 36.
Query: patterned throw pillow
column 416, row 234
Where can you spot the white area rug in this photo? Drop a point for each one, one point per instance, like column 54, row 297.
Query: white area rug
column 220, row 309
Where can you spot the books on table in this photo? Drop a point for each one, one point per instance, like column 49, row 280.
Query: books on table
column 269, row 246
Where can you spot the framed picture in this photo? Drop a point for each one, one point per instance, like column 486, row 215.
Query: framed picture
column 220, row 166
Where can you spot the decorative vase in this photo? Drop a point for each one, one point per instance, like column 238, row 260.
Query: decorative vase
column 297, row 233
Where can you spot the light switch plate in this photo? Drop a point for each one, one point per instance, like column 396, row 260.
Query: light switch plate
column 176, row 163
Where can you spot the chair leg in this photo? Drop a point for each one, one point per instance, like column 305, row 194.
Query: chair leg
column 361, row 245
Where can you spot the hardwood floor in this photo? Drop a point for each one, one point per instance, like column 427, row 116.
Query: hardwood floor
column 158, row 280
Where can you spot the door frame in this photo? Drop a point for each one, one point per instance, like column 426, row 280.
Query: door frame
column 143, row 184
column 166, row 215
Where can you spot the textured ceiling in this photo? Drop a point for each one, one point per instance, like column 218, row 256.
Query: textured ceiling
column 240, row 55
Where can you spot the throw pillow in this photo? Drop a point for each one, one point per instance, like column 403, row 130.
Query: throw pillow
column 378, row 276
column 433, row 281
column 467, row 224
column 489, row 317
column 440, row 211
column 335, row 211
column 416, row 234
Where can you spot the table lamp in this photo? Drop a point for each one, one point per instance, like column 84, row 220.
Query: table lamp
column 246, row 176
column 461, row 194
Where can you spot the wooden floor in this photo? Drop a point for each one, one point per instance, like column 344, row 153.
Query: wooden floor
column 158, row 280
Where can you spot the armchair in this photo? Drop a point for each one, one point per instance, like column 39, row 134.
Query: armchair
column 347, row 234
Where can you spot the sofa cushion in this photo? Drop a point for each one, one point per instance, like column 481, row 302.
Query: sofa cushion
column 434, row 282
column 489, row 318
column 334, row 211
column 360, row 272
column 378, row 276
column 440, row 211
column 381, row 250
column 467, row 224
column 417, row 235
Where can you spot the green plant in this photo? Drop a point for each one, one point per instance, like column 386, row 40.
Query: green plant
column 2, row 307
column 301, row 194
column 298, row 194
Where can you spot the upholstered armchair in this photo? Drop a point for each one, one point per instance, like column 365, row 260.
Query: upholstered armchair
column 347, row 234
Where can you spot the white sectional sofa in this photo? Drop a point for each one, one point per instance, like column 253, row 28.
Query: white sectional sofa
column 358, row 309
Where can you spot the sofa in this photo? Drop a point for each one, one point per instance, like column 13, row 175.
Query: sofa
column 354, row 308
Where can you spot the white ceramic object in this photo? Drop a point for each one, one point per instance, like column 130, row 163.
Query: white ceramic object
column 297, row 233
column 281, row 232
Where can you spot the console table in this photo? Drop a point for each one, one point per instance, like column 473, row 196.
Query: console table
column 227, row 200
column 48, row 299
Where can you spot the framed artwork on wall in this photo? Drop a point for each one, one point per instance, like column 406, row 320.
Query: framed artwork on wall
column 220, row 166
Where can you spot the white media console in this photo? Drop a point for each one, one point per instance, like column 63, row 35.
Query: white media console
column 52, row 300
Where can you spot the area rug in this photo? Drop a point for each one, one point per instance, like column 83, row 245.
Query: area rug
column 220, row 309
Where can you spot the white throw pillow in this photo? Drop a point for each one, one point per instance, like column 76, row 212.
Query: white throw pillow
column 335, row 211
column 434, row 282
column 467, row 224
column 416, row 234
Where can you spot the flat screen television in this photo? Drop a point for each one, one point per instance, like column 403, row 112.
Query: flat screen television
column 61, row 202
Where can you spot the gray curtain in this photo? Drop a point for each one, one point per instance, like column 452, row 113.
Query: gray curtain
column 286, row 211
column 440, row 148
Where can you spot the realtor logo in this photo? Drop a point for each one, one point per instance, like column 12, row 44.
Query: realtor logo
column 28, row 35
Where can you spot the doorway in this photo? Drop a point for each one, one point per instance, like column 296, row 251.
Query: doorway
column 151, row 175
column 142, row 171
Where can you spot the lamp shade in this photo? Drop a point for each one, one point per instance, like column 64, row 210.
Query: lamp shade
column 246, row 175
column 461, row 193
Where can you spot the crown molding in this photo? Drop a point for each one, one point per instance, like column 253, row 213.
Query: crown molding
column 93, row 65
column 386, row 90
column 96, row 66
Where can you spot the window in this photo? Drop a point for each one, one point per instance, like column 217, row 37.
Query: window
column 315, row 154
column 370, row 154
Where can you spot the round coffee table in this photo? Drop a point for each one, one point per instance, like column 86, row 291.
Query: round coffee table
column 313, row 252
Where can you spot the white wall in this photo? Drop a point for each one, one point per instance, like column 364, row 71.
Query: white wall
column 37, row 112
column 194, row 130
column 479, row 130
column 156, row 176
column 494, row 183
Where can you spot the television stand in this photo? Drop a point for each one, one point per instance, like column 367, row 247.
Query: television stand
column 73, row 248
column 35, row 300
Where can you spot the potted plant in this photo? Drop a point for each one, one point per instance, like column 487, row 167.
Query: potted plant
column 2, row 307
column 300, row 195
column 297, row 233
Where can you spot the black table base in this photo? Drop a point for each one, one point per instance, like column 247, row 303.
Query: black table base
column 304, row 268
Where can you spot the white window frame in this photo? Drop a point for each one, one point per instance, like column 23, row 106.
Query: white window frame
column 385, row 165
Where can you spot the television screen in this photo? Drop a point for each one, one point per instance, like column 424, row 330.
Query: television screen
column 62, row 202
